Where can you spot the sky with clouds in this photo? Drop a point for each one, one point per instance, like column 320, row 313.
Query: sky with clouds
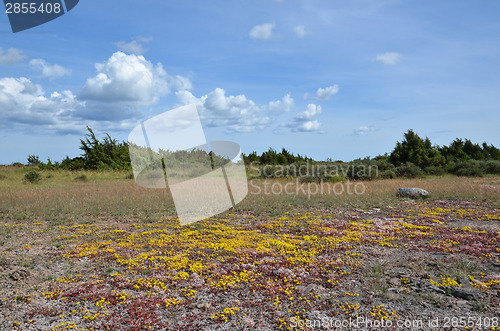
column 328, row 79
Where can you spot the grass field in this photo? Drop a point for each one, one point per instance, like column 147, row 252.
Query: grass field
column 92, row 250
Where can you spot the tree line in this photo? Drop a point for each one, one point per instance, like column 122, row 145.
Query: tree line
column 413, row 156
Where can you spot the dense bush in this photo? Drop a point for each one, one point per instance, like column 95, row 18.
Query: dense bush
column 470, row 168
column 492, row 167
column 435, row 170
column 275, row 158
column 409, row 170
column 32, row 177
column 475, row 168
column 388, row 174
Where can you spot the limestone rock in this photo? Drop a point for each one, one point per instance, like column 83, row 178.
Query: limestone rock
column 412, row 192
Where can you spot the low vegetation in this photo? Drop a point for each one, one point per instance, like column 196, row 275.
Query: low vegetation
column 84, row 247
column 103, row 253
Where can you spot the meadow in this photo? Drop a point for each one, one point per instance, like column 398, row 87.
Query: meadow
column 90, row 250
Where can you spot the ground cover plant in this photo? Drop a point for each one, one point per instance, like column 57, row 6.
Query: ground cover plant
column 102, row 253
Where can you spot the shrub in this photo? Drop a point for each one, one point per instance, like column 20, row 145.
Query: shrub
column 434, row 170
column 469, row 168
column 388, row 174
column 492, row 167
column 2, row 176
column 32, row 177
column 409, row 170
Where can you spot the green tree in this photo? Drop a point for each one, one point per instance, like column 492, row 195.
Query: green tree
column 33, row 160
column 415, row 150
column 105, row 154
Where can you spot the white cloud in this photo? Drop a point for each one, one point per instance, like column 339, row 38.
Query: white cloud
column 237, row 113
column 123, row 84
column 300, row 31
column 135, row 46
column 308, row 126
column 311, row 111
column 263, row 31
column 131, row 78
column 304, row 121
column 51, row 71
column 389, row 58
column 327, row 92
column 363, row 130
column 12, row 56
column 23, row 102
column 115, row 94
column 281, row 106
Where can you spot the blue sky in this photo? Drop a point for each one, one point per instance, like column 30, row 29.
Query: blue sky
column 338, row 79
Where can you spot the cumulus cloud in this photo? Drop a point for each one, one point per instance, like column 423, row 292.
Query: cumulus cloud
column 12, row 56
column 311, row 111
column 263, row 31
column 300, row 31
column 327, row 92
column 135, row 46
column 123, row 84
column 281, row 106
column 305, row 121
column 23, row 102
column 389, row 58
column 236, row 113
column 308, row 126
column 363, row 130
column 51, row 71
column 131, row 78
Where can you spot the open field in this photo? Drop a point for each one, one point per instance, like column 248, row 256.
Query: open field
column 98, row 252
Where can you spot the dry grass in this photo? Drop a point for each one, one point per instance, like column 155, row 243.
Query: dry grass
column 60, row 197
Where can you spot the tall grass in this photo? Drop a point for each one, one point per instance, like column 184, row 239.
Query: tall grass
column 61, row 198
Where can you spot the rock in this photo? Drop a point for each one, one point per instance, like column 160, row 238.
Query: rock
column 436, row 289
column 463, row 294
column 412, row 192
column 19, row 274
